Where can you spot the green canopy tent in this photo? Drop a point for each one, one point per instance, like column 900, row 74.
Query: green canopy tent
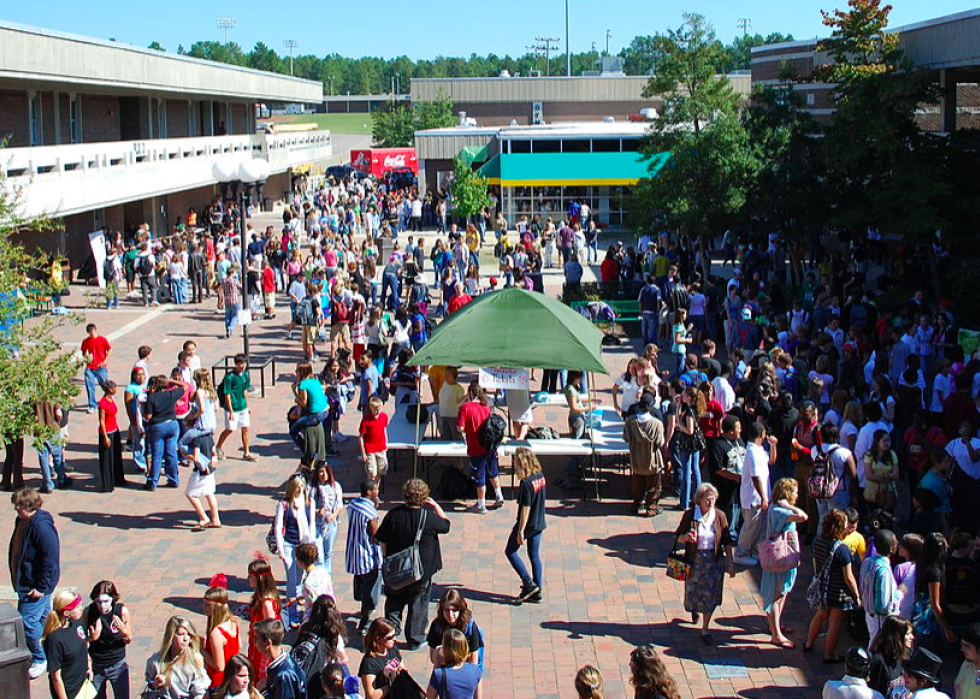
column 517, row 329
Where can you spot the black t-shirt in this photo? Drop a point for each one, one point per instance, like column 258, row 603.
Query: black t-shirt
column 439, row 626
column 398, row 529
column 109, row 648
column 884, row 676
column 532, row 494
column 66, row 649
column 727, row 454
column 162, row 405
column 375, row 665
column 962, row 581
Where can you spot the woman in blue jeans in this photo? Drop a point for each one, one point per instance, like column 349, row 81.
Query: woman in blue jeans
column 328, row 497
column 295, row 524
column 530, row 524
column 691, row 407
column 162, row 431
column 311, row 399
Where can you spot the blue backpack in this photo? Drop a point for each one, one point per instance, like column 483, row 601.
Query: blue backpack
column 473, row 628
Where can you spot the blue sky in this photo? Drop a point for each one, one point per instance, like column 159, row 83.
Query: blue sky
column 423, row 30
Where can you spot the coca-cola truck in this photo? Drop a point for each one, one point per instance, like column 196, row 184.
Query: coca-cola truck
column 378, row 162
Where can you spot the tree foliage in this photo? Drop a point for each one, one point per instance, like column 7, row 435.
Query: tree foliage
column 33, row 365
column 468, row 191
column 642, row 56
column 395, row 124
column 705, row 182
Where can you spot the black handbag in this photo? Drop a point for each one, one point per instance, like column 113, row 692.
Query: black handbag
column 401, row 569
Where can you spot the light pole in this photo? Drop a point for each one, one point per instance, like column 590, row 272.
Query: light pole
column 290, row 44
column 226, row 23
column 240, row 180
column 608, row 34
column 568, row 49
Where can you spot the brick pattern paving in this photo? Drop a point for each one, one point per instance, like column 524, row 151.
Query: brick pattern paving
column 605, row 587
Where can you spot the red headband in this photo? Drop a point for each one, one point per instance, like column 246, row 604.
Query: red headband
column 74, row 603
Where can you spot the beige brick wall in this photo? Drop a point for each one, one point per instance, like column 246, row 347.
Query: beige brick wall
column 13, row 119
column 100, row 118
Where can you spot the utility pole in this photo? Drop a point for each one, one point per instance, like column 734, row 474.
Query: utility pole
column 744, row 23
column 290, row 44
column 226, row 23
column 608, row 35
column 568, row 46
column 547, row 41
column 536, row 49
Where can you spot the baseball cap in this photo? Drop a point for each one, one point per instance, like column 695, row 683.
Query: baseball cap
column 746, row 314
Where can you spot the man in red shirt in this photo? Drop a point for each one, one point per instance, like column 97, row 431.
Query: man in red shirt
column 459, row 300
column 96, row 350
column 483, row 464
column 374, row 440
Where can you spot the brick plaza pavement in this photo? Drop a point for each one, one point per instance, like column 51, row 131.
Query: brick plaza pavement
column 605, row 588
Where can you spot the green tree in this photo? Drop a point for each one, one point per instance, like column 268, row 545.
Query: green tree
column 437, row 114
column 468, row 191
column 394, row 126
column 872, row 158
column 33, row 365
column 712, row 163
column 156, row 46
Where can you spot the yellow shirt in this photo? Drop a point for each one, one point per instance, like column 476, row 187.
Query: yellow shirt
column 966, row 682
column 857, row 544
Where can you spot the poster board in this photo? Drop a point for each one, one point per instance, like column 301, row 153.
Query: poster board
column 496, row 378
column 96, row 241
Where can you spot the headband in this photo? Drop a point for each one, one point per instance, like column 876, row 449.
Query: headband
column 74, row 603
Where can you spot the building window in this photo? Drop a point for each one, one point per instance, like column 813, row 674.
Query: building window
column 605, row 145
column 631, row 145
column 520, row 146
column 576, row 146
column 75, row 119
column 191, row 119
column 162, row 119
column 34, row 107
column 809, row 99
column 546, row 146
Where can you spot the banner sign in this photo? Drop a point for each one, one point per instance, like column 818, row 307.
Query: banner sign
column 503, row 378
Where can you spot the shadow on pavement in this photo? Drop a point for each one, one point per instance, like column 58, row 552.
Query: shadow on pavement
column 179, row 519
column 642, row 548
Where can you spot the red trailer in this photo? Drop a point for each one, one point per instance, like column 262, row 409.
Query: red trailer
column 380, row 161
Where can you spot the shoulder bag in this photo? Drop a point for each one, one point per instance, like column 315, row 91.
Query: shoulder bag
column 678, row 567
column 779, row 553
column 405, row 567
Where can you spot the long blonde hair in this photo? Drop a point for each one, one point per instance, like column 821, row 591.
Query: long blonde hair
column 190, row 655
column 219, row 612
column 56, row 617
column 527, row 463
column 202, row 377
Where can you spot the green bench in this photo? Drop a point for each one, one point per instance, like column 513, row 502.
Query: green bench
column 626, row 310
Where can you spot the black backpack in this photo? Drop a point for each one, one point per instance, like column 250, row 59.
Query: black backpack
column 491, row 432
column 309, row 655
column 454, row 485
column 145, row 266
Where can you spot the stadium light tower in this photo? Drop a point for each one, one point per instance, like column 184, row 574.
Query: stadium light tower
column 290, row 44
column 226, row 23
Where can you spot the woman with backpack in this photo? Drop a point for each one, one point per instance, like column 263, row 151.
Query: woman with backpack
column 320, row 641
column 294, row 524
column 834, row 587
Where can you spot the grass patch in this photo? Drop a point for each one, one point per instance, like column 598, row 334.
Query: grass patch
column 335, row 123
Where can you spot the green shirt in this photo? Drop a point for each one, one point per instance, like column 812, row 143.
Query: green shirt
column 234, row 386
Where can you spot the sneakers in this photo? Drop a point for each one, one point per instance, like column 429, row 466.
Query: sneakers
column 746, row 561
column 340, row 437
column 477, row 508
column 497, row 504
column 37, row 669
column 528, row 591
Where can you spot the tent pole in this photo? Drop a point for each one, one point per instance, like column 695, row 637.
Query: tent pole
column 418, row 418
column 590, row 413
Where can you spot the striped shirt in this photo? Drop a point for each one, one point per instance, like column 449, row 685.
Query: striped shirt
column 363, row 553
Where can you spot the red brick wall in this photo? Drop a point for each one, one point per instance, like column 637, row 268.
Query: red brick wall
column 100, row 118
column 14, row 119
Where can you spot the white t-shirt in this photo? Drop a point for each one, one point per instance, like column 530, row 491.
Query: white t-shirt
column 847, row 430
column 629, row 393
column 724, row 393
column 838, row 459
column 756, row 465
column 958, row 451
column 942, row 387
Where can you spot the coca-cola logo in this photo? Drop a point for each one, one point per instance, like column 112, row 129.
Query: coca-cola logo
column 395, row 160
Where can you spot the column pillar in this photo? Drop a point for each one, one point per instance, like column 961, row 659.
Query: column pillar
column 947, row 103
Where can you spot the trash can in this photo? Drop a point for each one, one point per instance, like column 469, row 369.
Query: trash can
column 15, row 659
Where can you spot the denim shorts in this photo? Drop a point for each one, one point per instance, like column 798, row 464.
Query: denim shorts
column 484, row 466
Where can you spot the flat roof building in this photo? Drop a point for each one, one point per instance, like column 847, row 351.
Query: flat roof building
column 539, row 170
column 104, row 134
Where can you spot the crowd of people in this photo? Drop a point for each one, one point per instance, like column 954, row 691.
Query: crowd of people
column 789, row 417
